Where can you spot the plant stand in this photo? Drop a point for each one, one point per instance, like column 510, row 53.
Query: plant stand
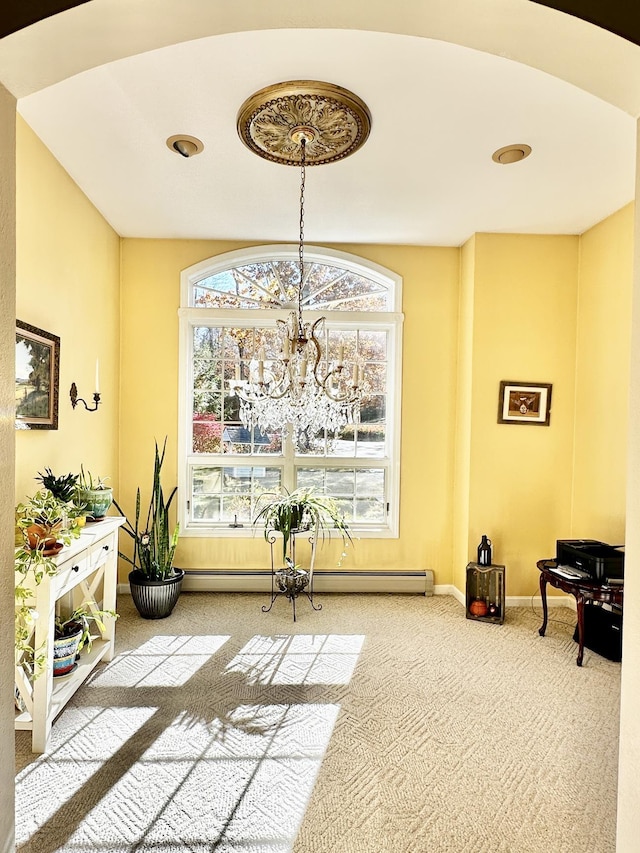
column 290, row 582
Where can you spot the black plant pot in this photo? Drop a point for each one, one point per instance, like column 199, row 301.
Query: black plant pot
column 155, row 599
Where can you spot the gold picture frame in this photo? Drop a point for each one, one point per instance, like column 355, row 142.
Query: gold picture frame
column 37, row 377
column 524, row 403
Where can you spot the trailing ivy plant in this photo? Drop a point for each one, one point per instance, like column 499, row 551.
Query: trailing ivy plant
column 32, row 563
column 31, row 566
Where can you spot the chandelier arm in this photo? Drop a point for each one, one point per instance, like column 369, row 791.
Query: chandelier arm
column 351, row 395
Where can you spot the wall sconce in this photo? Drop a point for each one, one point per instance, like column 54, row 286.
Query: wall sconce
column 73, row 393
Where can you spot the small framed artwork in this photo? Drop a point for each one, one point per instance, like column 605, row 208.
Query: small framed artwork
column 524, row 403
column 37, row 377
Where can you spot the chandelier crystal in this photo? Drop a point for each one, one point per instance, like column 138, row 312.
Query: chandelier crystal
column 299, row 386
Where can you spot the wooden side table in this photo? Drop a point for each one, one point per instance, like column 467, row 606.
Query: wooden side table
column 583, row 590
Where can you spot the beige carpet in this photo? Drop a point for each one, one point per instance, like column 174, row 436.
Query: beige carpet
column 381, row 723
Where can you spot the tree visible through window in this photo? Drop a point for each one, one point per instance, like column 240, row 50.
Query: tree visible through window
column 229, row 313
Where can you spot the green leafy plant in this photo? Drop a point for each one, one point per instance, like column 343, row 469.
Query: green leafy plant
column 288, row 512
column 40, row 520
column 44, row 518
column 63, row 488
column 86, row 480
column 80, row 620
column 31, row 566
column 155, row 544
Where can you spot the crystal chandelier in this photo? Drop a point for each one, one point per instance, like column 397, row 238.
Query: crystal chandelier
column 302, row 123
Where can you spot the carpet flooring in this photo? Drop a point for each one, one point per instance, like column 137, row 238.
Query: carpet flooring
column 381, row 724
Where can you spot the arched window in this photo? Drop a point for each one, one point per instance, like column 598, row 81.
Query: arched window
column 231, row 305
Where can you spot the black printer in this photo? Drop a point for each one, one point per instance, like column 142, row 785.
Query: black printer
column 600, row 561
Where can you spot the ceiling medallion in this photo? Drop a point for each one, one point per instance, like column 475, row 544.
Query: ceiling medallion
column 333, row 121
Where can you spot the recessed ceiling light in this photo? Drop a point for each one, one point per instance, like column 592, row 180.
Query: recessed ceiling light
column 511, row 154
column 186, row 146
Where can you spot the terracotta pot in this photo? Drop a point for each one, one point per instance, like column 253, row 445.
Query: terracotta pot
column 41, row 537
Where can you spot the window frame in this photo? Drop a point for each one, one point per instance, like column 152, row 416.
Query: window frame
column 288, row 462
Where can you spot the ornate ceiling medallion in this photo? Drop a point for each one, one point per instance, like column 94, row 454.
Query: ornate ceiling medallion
column 333, row 122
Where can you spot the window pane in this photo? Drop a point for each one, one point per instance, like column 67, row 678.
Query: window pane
column 370, row 482
column 273, row 284
column 206, row 508
column 229, row 494
column 340, row 481
column 206, row 342
column 369, row 510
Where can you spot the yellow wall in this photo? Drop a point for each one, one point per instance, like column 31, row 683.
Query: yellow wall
column 463, row 422
column 68, row 261
column 524, row 319
column 602, row 379
column 150, row 299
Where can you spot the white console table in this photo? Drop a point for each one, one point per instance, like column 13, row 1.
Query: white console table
column 87, row 572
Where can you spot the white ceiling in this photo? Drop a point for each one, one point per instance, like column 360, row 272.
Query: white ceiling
column 424, row 177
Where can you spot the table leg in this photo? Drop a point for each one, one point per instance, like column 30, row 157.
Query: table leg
column 580, row 609
column 545, row 609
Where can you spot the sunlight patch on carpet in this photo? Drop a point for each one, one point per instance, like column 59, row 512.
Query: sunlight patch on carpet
column 79, row 748
column 302, row 659
column 160, row 662
column 239, row 785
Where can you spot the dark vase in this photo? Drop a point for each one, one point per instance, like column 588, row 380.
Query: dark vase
column 155, row 599
column 484, row 552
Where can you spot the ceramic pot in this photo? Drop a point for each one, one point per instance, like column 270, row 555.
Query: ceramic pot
column 65, row 650
column 96, row 502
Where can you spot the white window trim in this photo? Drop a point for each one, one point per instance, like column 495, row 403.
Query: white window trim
column 190, row 316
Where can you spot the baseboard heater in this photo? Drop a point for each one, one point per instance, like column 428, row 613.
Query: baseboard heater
column 258, row 580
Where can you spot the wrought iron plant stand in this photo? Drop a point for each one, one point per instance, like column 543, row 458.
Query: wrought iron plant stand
column 291, row 580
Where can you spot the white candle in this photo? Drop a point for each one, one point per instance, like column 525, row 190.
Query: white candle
column 286, row 349
column 97, row 376
column 340, row 355
column 303, row 368
column 354, row 375
column 238, row 372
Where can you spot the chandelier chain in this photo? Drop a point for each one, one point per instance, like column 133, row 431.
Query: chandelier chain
column 303, row 145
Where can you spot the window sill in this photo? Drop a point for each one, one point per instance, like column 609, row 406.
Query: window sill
column 250, row 532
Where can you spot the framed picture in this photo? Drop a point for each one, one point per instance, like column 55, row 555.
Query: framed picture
column 524, row 403
column 37, row 377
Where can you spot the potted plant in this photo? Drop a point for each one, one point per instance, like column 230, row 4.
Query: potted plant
column 44, row 524
column 93, row 494
column 63, row 488
column 154, row 581
column 47, row 523
column 289, row 512
column 72, row 634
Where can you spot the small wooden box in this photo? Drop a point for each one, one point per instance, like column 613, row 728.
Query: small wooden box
column 485, row 593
